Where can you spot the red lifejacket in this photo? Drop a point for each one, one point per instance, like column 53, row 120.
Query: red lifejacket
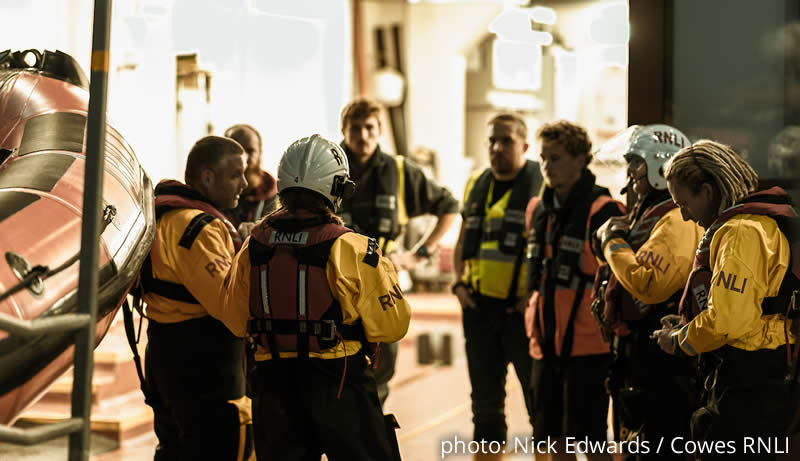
column 619, row 306
column 773, row 202
column 171, row 194
column 291, row 305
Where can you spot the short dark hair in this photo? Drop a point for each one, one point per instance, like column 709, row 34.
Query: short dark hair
column 519, row 124
column 573, row 137
column 207, row 154
column 361, row 108
column 233, row 129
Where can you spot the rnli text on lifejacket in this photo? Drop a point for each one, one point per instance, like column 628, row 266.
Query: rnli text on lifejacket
column 217, row 266
column 388, row 300
column 288, row 238
column 730, row 282
column 654, row 259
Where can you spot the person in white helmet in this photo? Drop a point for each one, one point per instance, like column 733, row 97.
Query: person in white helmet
column 649, row 254
column 312, row 294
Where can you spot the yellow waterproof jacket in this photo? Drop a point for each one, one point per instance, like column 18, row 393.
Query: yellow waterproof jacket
column 749, row 257
column 201, row 268
column 356, row 285
column 662, row 264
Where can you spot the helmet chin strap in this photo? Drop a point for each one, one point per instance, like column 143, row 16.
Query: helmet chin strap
column 630, row 182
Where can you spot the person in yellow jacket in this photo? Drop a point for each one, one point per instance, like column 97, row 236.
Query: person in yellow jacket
column 489, row 265
column 194, row 378
column 312, row 294
column 733, row 306
column 649, row 254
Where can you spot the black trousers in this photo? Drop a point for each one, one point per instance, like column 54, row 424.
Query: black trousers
column 494, row 336
column 387, row 361
column 194, row 369
column 654, row 394
column 569, row 397
column 297, row 415
column 746, row 396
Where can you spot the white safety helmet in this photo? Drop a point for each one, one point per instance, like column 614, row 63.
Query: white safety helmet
column 655, row 144
column 316, row 164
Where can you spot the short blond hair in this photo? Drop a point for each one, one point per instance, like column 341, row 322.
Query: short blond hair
column 714, row 163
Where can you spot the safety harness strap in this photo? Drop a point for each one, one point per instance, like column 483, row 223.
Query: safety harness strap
column 127, row 319
column 326, row 330
column 169, row 290
column 569, row 337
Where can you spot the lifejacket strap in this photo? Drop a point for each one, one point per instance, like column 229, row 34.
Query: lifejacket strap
column 164, row 288
column 325, row 330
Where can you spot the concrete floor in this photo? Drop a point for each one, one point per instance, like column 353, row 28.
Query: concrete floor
column 431, row 402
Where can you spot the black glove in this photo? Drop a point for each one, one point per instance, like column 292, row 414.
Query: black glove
column 614, row 227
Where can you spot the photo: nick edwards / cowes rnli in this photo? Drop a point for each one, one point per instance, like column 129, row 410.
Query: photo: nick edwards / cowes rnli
column 43, row 115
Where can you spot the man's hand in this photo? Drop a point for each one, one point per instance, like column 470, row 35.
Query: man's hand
column 666, row 336
column 245, row 229
column 665, row 340
column 464, row 298
column 406, row 261
column 671, row 321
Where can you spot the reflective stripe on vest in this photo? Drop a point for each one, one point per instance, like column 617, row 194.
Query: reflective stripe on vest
column 264, row 292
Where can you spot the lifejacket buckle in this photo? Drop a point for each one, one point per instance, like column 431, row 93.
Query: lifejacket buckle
column 256, row 327
column 328, row 331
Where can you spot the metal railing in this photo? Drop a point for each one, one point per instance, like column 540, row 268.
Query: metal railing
column 84, row 321
column 31, row 328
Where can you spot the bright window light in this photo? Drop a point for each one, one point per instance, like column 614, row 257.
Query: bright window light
column 610, row 25
column 615, row 55
column 514, row 101
column 516, row 65
column 514, row 24
column 543, row 15
column 389, row 85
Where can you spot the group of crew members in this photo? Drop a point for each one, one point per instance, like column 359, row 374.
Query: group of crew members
column 274, row 304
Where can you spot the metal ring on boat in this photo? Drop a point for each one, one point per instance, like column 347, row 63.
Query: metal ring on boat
column 21, row 267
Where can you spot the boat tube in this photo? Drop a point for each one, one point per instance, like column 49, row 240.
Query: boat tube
column 43, row 108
